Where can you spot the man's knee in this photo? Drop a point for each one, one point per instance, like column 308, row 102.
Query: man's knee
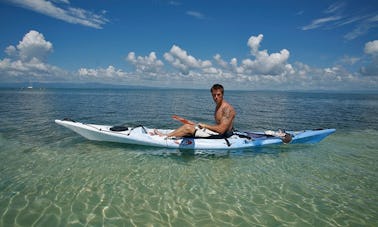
column 189, row 128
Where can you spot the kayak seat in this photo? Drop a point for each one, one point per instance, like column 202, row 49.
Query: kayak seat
column 119, row 128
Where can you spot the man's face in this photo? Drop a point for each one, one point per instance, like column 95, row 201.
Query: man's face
column 217, row 95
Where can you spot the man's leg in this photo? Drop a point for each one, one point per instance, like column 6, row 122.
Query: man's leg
column 184, row 130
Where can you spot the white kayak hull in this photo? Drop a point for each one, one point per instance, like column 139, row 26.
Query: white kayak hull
column 145, row 136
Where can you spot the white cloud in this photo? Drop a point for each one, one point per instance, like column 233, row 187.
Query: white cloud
column 184, row 62
column 195, row 14
column 64, row 12
column 28, row 59
column 147, row 64
column 174, row 3
column 320, row 22
column 108, row 73
column 360, row 23
column 11, row 51
column 262, row 70
column 371, row 68
column 349, row 60
column 62, row 1
column 220, row 62
column 363, row 25
column 33, row 45
column 263, row 63
column 335, row 7
column 33, row 70
column 371, row 47
column 254, row 43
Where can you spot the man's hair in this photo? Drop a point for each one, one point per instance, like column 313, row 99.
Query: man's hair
column 217, row 87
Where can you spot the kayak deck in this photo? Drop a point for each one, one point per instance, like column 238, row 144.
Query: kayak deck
column 141, row 135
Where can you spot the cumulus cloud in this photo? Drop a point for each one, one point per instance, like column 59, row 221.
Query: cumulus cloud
column 110, row 75
column 254, row 43
column 371, row 68
column 263, row 66
column 184, row 62
column 146, row 68
column 147, row 64
column 263, row 63
column 62, row 10
column 371, row 47
column 27, row 61
column 33, row 45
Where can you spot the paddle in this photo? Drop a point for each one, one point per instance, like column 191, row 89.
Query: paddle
column 183, row 120
column 285, row 137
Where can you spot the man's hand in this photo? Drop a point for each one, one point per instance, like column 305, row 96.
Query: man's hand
column 201, row 125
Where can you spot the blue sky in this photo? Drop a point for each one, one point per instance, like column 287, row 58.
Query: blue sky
column 285, row 45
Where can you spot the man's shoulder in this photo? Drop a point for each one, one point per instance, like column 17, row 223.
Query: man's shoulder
column 228, row 105
column 228, row 108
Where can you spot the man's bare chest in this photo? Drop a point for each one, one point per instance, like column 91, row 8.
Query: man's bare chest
column 218, row 114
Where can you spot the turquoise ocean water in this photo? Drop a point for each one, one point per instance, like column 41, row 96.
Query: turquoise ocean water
column 50, row 176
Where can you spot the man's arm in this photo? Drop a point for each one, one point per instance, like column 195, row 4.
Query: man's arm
column 225, row 122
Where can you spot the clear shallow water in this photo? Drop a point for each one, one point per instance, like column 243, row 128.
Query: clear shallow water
column 53, row 177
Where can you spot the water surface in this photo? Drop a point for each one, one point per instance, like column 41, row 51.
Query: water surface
column 53, row 177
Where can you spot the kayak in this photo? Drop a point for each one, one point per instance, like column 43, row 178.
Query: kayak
column 141, row 135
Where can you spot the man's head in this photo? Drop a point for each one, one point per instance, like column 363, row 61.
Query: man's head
column 217, row 92
column 217, row 87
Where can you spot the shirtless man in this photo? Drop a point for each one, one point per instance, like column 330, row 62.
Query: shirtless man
column 224, row 119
